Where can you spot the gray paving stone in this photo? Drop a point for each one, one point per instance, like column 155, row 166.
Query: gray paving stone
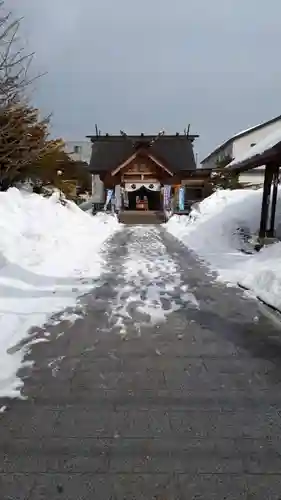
column 228, row 424
column 143, row 486
column 261, row 486
column 162, row 456
column 119, row 380
column 142, row 424
column 213, row 487
column 54, row 463
column 203, row 400
column 42, row 420
column 16, row 486
column 55, row 455
column 73, row 486
column 83, row 422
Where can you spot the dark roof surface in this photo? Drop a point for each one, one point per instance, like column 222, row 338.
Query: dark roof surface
column 175, row 152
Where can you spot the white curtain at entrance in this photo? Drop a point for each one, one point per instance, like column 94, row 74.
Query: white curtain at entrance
column 134, row 186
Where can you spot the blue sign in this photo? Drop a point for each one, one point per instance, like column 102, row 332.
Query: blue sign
column 181, row 198
column 109, row 193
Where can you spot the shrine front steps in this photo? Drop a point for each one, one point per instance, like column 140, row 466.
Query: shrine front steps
column 137, row 217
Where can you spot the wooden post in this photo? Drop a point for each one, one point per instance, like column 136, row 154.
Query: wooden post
column 271, row 231
column 265, row 200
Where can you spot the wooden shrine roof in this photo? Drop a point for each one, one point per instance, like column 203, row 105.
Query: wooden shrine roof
column 174, row 151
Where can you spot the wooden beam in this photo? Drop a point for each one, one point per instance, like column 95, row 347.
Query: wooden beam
column 124, row 164
column 157, row 162
column 193, row 182
column 134, row 156
column 271, row 231
column 268, row 175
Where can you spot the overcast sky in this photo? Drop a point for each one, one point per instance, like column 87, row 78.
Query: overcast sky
column 152, row 64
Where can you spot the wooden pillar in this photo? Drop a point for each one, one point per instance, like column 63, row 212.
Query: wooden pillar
column 271, row 231
column 269, row 169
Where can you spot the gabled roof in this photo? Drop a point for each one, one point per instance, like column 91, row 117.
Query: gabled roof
column 243, row 133
column 175, row 152
column 266, row 150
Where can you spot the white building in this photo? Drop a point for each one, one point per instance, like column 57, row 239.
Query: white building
column 79, row 150
column 82, row 151
column 237, row 145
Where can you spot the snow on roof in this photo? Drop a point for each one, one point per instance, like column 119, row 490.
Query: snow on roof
column 262, row 147
column 241, row 134
column 247, row 130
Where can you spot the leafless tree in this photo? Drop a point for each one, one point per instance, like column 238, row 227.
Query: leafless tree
column 23, row 135
column 14, row 60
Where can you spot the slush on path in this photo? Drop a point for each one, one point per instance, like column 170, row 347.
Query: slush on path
column 166, row 386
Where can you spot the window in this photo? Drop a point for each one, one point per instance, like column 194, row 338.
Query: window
column 77, row 149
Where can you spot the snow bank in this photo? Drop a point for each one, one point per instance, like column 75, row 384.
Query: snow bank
column 214, row 230
column 49, row 254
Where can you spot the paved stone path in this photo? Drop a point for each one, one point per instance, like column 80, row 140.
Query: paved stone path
column 168, row 387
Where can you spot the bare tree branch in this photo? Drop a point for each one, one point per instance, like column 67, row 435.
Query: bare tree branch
column 24, row 139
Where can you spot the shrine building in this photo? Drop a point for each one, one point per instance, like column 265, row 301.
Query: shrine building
column 140, row 165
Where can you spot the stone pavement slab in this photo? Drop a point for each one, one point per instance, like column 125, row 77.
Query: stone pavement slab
column 121, row 404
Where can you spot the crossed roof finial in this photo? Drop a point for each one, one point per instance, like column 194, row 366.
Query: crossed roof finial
column 152, row 141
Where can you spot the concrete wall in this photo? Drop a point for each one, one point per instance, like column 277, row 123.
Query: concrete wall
column 253, row 177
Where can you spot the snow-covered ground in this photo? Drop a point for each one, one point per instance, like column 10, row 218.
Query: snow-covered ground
column 213, row 231
column 49, row 255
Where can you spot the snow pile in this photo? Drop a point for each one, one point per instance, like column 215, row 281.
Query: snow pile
column 49, row 254
column 215, row 230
